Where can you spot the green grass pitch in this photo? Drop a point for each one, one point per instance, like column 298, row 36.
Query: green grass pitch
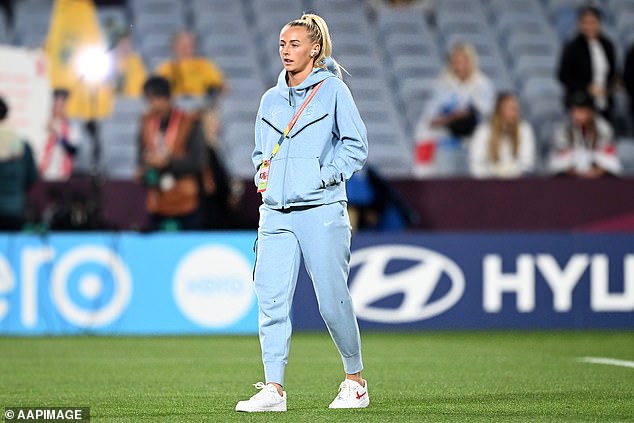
column 413, row 376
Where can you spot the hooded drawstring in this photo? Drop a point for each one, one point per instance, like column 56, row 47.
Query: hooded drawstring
column 290, row 95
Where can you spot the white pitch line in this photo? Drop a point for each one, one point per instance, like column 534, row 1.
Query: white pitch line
column 608, row 361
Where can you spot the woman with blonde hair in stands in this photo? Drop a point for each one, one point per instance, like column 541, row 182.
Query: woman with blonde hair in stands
column 503, row 147
column 462, row 96
column 309, row 140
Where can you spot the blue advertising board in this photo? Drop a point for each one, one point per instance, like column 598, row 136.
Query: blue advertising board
column 127, row 284
column 486, row 281
column 201, row 283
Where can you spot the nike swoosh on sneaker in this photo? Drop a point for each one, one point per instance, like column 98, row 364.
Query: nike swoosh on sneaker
column 359, row 396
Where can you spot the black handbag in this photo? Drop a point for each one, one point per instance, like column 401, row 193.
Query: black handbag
column 465, row 125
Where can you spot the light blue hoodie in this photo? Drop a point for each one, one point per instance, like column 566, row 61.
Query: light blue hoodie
column 325, row 147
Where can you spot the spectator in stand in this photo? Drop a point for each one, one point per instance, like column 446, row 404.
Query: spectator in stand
column 171, row 160
column 583, row 145
column 628, row 80
column 462, row 97
column 588, row 62
column 129, row 69
column 198, row 79
column 64, row 139
column 195, row 78
column 503, row 146
column 189, row 74
column 17, row 173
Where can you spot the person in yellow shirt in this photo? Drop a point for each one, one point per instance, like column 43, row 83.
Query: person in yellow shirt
column 189, row 74
column 199, row 78
column 129, row 69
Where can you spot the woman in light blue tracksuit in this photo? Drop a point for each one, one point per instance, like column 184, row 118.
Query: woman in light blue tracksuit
column 304, row 208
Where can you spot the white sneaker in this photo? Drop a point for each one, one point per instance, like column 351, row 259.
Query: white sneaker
column 351, row 395
column 268, row 399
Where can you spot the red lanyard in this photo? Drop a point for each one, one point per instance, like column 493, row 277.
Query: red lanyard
column 67, row 163
column 170, row 132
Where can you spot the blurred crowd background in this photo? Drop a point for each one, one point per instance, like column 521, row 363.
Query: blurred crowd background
column 163, row 94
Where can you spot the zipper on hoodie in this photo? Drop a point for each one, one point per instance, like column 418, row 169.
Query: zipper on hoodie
column 288, row 149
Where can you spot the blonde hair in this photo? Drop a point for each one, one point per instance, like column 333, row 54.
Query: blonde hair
column 318, row 33
column 470, row 53
column 499, row 129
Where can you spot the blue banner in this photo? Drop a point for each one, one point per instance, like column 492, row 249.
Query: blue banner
column 113, row 283
column 127, row 284
column 486, row 281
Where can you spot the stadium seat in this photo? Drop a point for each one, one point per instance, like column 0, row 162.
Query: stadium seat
column 237, row 146
column 119, row 148
column 393, row 57
column 355, row 44
column 416, row 67
column 335, row 6
column 271, row 21
column 625, row 151
column 625, row 24
column 403, row 21
column 345, row 25
column 153, row 43
column 157, row 23
column 528, row 27
column 518, row 45
column 495, row 70
column 460, row 7
column 392, row 163
column 128, row 109
column 498, row 8
column 292, row 8
column 537, row 65
column 484, row 42
column 411, row 46
column 556, row 6
column 414, row 93
column 540, row 87
column 564, row 15
column 214, row 10
column 141, row 8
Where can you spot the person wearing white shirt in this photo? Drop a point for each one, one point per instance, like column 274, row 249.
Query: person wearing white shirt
column 56, row 162
column 583, row 146
column 503, row 146
column 462, row 97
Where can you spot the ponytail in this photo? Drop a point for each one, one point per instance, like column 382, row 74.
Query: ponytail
column 319, row 34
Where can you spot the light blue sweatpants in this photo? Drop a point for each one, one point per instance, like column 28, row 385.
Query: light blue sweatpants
column 321, row 235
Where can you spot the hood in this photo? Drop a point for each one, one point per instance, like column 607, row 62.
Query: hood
column 315, row 77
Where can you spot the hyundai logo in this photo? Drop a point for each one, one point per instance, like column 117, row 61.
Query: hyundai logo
column 416, row 283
